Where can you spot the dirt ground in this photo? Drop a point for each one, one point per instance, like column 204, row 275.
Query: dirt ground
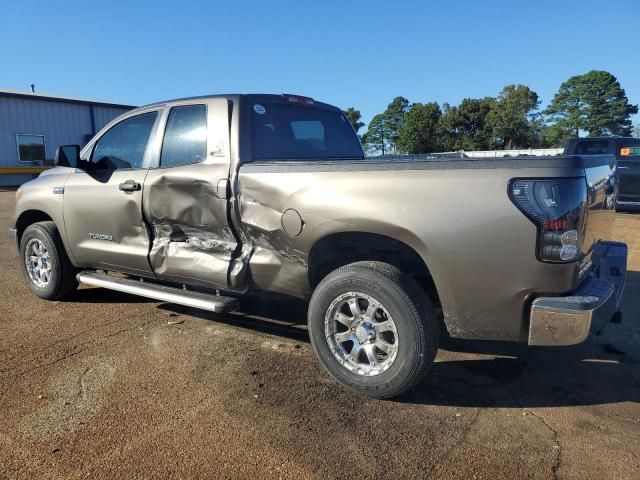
column 108, row 385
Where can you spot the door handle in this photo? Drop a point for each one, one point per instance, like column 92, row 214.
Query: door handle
column 130, row 186
column 622, row 168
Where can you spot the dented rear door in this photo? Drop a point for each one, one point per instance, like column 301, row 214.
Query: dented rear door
column 185, row 197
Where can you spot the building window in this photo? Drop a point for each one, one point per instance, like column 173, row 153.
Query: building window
column 30, row 148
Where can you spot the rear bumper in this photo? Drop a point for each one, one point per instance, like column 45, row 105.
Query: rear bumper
column 567, row 320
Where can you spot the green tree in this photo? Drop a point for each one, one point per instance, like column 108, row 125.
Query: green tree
column 376, row 138
column 465, row 127
column 354, row 117
column 511, row 117
column 419, row 130
column 594, row 102
column 553, row 136
column 636, row 130
column 394, row 118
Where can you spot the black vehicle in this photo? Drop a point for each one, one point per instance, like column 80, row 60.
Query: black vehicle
column 627, row 153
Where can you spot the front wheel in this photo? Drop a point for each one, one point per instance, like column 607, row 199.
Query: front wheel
column 373, row 328
column 45, row 263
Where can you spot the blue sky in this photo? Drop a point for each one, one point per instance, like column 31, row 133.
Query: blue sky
column 348, row 53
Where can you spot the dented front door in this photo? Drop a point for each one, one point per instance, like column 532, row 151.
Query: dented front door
column 185, row 198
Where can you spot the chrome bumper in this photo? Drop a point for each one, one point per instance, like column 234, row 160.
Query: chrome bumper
column 567, row 320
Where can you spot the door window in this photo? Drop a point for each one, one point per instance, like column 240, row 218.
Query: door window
column 124, row 144
column 185, row 138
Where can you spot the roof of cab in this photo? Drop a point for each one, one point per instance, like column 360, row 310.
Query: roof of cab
column 252, row 97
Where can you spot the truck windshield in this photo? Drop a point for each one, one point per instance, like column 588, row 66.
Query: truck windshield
column 292, row 132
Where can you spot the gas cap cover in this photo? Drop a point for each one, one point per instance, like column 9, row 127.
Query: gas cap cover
column 291, row 222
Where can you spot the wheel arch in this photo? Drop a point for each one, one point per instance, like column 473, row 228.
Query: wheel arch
column 30, row 216
column 27, row 218
column 338, row 249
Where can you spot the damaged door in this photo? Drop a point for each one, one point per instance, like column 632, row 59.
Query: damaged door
column 185, row 197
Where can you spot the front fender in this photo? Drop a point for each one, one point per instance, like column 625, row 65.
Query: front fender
column 44, row 194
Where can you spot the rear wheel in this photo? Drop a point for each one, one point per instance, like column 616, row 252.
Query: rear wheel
column 45, row 263
column 373, row 328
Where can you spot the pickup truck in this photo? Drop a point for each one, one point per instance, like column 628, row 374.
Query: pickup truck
column 627, row 153
column 203, row 200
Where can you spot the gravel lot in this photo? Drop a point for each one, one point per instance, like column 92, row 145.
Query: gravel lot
column 108, row 385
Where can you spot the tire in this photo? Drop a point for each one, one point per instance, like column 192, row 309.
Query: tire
column 61, row 279
column 399, row 298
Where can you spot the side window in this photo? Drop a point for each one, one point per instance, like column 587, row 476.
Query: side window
column 185, row 138
column 124, row 144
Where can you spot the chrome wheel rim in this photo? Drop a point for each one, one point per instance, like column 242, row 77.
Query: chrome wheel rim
column 361, row 334
column 38, row 263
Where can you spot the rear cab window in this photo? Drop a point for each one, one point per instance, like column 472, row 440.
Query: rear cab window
column 593, row 147
column 285, row 131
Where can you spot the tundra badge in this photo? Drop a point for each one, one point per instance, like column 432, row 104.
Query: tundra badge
column 101, row 236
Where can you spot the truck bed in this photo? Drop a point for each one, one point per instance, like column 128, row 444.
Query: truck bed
column 425, row 162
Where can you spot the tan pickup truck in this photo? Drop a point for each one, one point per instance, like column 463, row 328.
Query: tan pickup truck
column 199, row 201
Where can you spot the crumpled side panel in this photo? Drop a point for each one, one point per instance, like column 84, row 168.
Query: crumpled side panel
column 192, row 242
column 271, row 270
column 276, row 263
column 258, row 215
column 183, row 200
column 181, row 253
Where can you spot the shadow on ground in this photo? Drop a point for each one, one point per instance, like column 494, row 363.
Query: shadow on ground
column 103, row 295
column 515, row 376
column 537, row 379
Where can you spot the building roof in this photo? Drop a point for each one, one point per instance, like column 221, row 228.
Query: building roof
column 4, row 92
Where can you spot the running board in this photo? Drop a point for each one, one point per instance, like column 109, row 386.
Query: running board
column 212, row 303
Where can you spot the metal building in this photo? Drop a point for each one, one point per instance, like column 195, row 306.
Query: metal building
column 33, row 125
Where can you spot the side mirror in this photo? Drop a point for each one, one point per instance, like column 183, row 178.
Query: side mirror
column 68, row 156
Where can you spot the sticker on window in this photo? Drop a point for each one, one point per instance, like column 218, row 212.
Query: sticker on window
column 259, row 109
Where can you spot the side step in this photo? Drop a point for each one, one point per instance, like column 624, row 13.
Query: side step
column 213, row 303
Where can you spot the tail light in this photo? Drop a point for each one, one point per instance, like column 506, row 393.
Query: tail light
column 557, row 207
column 628, row 151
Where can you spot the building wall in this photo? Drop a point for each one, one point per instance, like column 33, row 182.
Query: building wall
column 60, row 122
column 104, row 115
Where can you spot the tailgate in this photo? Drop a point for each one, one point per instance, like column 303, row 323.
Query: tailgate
column 601, row 178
